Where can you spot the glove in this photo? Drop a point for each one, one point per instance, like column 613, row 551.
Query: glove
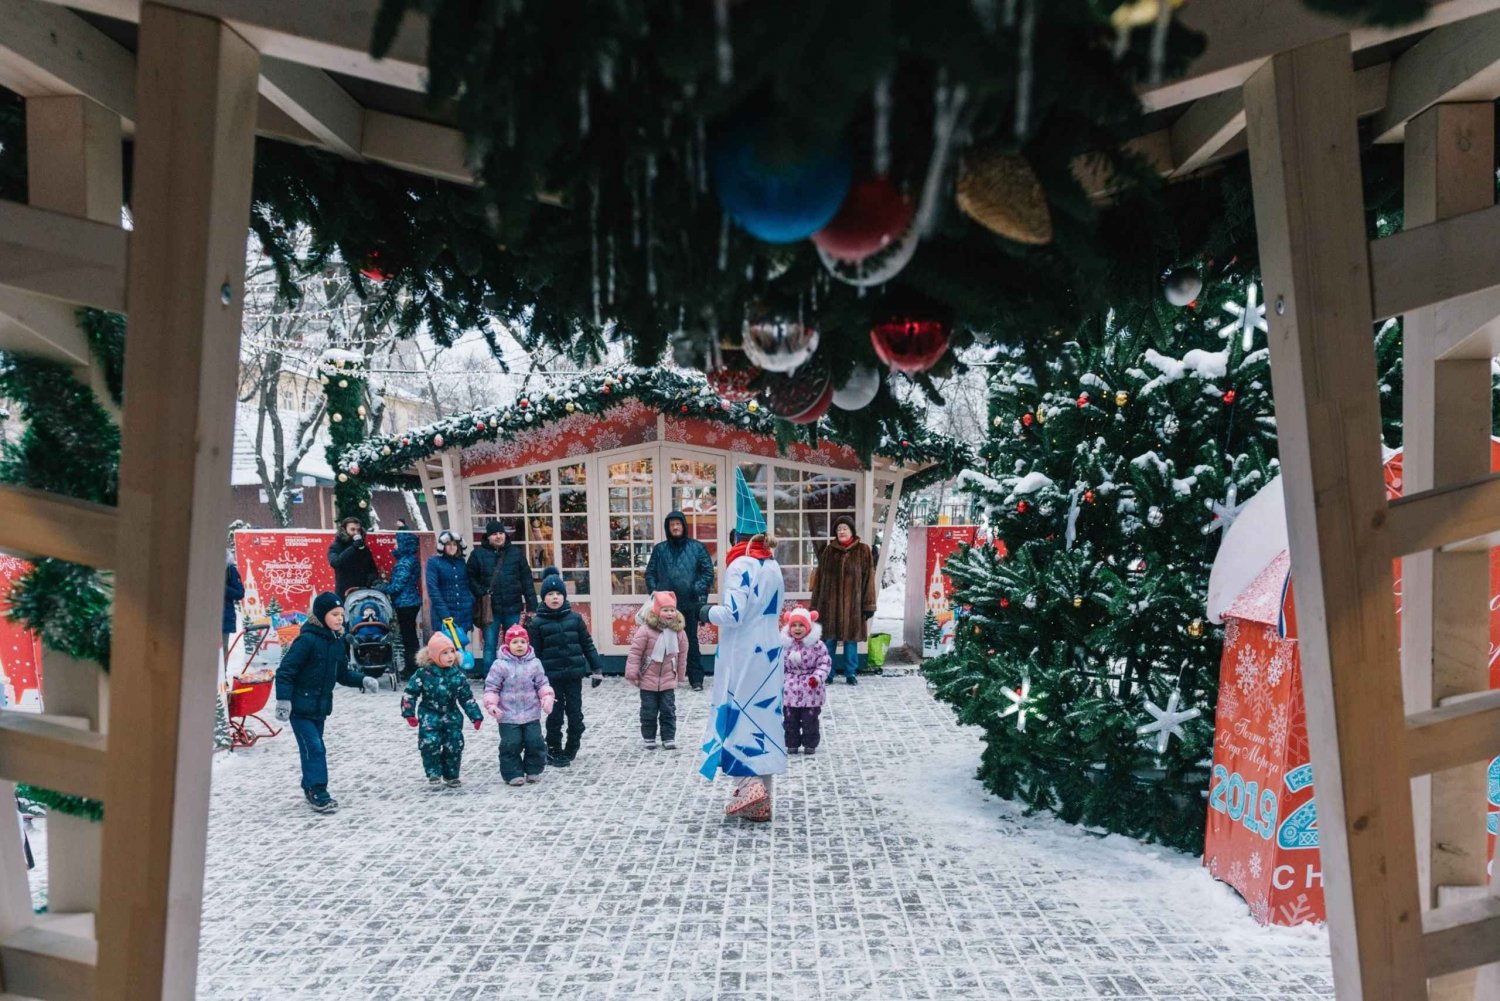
column 596, row 680
column 549, row 699
column 283, row 709
column 477, row 723
column 370, row 685
column 812, row 681
column 869, row 615
column 411, row 721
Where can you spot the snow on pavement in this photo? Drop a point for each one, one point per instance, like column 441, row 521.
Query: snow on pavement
column 887, row 873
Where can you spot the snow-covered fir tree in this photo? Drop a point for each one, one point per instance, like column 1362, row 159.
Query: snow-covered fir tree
column 1116, row 459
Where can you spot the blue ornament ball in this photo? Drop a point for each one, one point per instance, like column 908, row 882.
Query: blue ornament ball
column 779, row 195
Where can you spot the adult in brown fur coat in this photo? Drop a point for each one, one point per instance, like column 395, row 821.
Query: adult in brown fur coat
column 843, row 592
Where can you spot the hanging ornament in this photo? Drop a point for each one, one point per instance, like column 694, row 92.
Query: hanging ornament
column 437, row 440
column 998, row 421
column 343, row 383
column 523, row 403
column 1155, row 517
column 1137, row 565
column 1088, row 496
column 733, row 381
column 1083, row 400
column 801, row 398
column 336, row 418
column 569, row 407
column 779, row 194
column 1027, row 419
column 1195, row 629
column 858, row 390
column 1121, row 398
column 1020, row 702
column 873, row 214
column 1004, row 602
column 360, row 410
column 385, row 450
column 1182, row 286
column 1247, row 318
column 405, row 442
column 753, row 407
column 1041, row 415
column 373, row 268
column 1228, row 397
column 910, row 343
column 353, row 469
column 1030, row 601
column 364, row 504
column 777, row 345
column 1077, row 601
column 1166, row 723
column 343, row 478
column 1022, row 507
column 1001, row 192
column 1169, row 426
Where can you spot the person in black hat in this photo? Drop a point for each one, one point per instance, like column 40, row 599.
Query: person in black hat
column 317, row 659
column 498, row 569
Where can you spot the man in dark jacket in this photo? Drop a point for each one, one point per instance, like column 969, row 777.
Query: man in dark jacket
column 681, row 564
column 234, row 590
column 349, row 555
column 498, row 568
column 304, row 691
column 562, row 643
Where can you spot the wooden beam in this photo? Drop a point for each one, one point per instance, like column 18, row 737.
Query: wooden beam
column 419, row 147
column 1205, row 128
column 47, row 50
column 312, row 100
column 36, row 523
column 1462, row 936
column 194, row 155
column 49, row 965
column 1436, row 518
column 1304, row 162
column 1456, row 63
column 40, row 752
column 1442, row 260
column 44, row 328
column 1459, row 732
column 62, row 256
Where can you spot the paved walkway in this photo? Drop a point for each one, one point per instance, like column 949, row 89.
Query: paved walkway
column 887, row 873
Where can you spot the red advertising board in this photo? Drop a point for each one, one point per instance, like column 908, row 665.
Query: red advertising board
column 942, row 542
column 20, row 650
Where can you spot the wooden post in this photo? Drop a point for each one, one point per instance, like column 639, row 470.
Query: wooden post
column 1449, row 153
column 195, row 135
column 1304, row 161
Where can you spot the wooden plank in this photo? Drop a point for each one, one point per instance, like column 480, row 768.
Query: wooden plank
column 1427, row 264
column 37, row 523
column 1206, row 128
column 1304, row 150
column 47, row 50
column 1456, row 63
column 44, row 328
column 312, row 100
column 420, row 147
column 1435, row 518
column 1461, row 731
column 15, row 883
column 194, row 153
column 46, row 964
column 40, row 752
column 62, row 256
column 78, row 689
column 73, row 158
column 1462, row 936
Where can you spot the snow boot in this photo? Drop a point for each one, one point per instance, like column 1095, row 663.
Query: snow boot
column 649, row 745
column 320, row 801
column 556, row 760
column 516, row 782
column 452, row 783
column 669, row 745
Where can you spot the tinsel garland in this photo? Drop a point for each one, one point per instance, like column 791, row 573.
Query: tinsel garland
column 342, row 374
column 383, row 459
column 73, row 806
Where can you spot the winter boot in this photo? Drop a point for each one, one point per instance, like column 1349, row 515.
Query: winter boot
column 434, row 781
column 669, row 745
column 555, row 759
column 320, row 801
column 453, row 783
column 649, row 745
column 517, row 782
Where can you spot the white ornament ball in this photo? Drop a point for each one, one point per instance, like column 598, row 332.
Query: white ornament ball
column 858, row 390
column 343, row 478
column 528, row 417
column 343, row 383
column 364, row 503
column 998, row 421
column 1182, row 286
column 385, row 450
column 1155, row 517
column 338, row 418
column 360, row 410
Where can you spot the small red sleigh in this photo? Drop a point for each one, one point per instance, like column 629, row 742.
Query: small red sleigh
column 248, row 695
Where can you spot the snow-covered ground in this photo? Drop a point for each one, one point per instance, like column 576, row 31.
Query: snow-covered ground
column 887, row 873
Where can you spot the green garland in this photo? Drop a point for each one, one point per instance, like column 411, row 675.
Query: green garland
column 383, row 459
column 342, row 374
column 73, row 806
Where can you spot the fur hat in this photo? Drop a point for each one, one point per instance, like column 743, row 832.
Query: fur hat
column 517, row 631
column 663, row 599
column 323, row 604
column 445, row 537
column 844, row 519
column 552, row 581
column 806, row 616
column 439, row 644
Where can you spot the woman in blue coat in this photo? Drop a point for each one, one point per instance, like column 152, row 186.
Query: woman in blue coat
column 448, row 586
column 405, row 591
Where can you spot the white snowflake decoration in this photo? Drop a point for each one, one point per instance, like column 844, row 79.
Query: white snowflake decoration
column 1247, row 318
column 1256, row 865
column 1277, row 729
column 1167, row 723
column 1247, row 671
column 1280, row 663
column 1021, row 704
column 1236, row 872
column 1225, row 513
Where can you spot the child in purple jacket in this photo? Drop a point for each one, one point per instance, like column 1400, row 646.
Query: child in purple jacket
column 517, row 696
column 806, row 663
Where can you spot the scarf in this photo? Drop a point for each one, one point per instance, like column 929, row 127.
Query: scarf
column 747, row 548
column 666, row 645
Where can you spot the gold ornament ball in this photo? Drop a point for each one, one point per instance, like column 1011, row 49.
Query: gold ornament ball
column 1041, row 415
column 1077, row 601
column 360, row 411
column 343, row 478
column 1122, row 398
column 1195, row 628
column 343, row 383
column 385, row 450
column 569, row 407
column 337, row 418
column 998, row 421
column 753, row 407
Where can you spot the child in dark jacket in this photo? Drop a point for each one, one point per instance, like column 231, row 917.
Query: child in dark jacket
column 317, row 659
column 517, row 696
column 562, row 642
column 806, row 663
column 437, row 699
column 657, row 664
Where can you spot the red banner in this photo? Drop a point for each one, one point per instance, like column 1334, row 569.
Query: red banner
column 938, row 620
column 20, row 650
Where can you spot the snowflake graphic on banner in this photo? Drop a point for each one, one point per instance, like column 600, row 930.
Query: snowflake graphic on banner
column 1277, row 730
column 1260, row 909
column 1236, row 873
column 1247, row 318
column 1281, row 662
column 1256, row 865
column 1247, row 671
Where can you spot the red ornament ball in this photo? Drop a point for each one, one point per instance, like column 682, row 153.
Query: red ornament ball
column 1022, row 507
column 905, row 443
column 437, row 440
column 733, row 383
column 405, row 442
column 1088, row 497
column 1027, row 419
column 1004, row 602
column 523, row 403
column 873, row 214
column 1083, row 399
column 1228, row 397
column 683, row 408
column 479, row 425
column 910, row 344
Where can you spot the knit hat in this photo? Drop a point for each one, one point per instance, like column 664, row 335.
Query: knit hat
column 323, row 604
column 663, row 599
column 438, row 645
column 493, row 528
column 806, row 616
column 518, row 631
column 552, row 581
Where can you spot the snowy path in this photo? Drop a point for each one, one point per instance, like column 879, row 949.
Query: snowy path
column 887, row 873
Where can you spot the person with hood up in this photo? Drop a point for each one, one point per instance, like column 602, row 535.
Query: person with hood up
column 498, row 571
column 316, row 660
column 405, row 590
column 517, row 696
column 351, row 559
column 437, row 699
column 657, row 664
column 806, row 662
column 562, row 643
column 843, row 592
column 681, row 564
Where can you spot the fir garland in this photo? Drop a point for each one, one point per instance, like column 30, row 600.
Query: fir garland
column 384, row 459
column 73, row 806
column 342, row 374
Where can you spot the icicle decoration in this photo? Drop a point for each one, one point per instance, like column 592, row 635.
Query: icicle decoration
column 1024, row 68
column 610, row 249
column 649, row 182
column 723, row 47
column 702, row 140
column 882, row 150
column 583, row 109
column 724, row 242
column 1159, row 40
column 1071, row 532
column 594, row 247
column 635, row 216
column 607, row 72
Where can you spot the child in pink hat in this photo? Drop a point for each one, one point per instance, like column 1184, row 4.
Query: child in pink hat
column 517, row 696
column 657, row 664
column 806, row 663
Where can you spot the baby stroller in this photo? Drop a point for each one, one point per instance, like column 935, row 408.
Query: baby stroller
column 370, row 622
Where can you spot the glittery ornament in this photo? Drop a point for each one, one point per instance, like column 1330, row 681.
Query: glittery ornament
column 569, row 407
column 437, row 440
column 1027, row 419
column 337, row 418
column 1077, row 601
column 1155, row 517
column 1083, row 399
column 1121, row 398
column 1228, row 397
column 753, row 407
column 1195, row 629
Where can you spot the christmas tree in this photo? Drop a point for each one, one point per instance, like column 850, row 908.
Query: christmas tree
column 1116, row 461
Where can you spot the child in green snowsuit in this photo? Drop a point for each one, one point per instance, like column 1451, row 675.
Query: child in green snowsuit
column 437, row 698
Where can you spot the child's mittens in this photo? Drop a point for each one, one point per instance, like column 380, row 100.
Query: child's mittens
column 549, row 699
column 478, row 723
column 492, row 706
column 370, row 685
column 812, row 681
column 411, row 721
column 284, row 709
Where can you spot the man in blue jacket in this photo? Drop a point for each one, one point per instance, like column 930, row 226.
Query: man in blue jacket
column 681, row 564
column 304, row 691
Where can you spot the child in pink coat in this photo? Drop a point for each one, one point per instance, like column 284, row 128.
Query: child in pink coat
column 657, row 664
column 806, row 663
column 517, row 696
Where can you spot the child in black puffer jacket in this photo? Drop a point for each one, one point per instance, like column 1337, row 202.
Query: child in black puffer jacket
column 561, row 640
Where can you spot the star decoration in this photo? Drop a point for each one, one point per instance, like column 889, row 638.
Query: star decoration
column 1020, row 703
column 1247, row 318
column 1167, row 723
column 1225, row 513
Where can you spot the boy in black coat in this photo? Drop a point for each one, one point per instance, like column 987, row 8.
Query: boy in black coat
column 304, row 691
column 561, row 640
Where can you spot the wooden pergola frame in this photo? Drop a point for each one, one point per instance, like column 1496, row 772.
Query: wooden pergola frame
column 1396, row 742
